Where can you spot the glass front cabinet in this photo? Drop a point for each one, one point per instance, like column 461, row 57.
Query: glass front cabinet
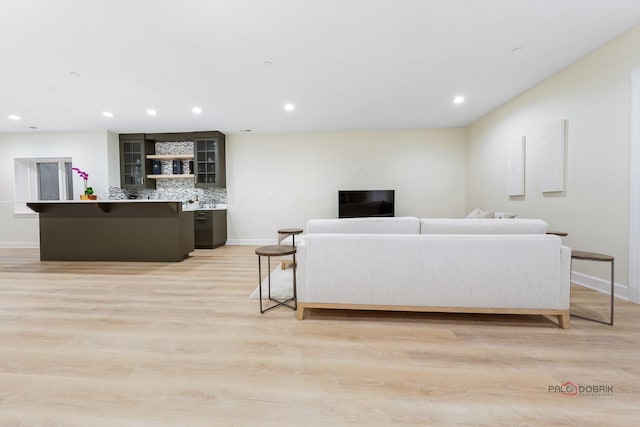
column 133, row 161
column 209, row 160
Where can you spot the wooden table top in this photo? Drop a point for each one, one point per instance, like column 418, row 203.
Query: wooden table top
column 275, row 250
column 592, row 256
column 290, row 231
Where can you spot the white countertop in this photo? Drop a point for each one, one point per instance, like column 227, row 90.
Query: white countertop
column 220, row 207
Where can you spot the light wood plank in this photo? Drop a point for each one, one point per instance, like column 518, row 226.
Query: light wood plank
column 181, row 344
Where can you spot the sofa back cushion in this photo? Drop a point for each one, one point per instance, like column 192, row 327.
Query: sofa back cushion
column 376, row 225
column 482, row 226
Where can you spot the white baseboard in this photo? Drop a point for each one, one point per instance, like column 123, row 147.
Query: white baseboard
column 19, row 245
column 600, row 285
column 258, row 242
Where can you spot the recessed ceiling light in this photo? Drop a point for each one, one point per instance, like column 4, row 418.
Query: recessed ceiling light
column 33, row 127
column 247, row 130
column 267, row 64
column 14, row 117
column 196, row 110
column 74, row 73
column 289, row 107
column 108, row 114
column 458, row 99
column 152, row 112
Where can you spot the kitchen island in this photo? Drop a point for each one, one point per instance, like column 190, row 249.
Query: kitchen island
column 114, row 230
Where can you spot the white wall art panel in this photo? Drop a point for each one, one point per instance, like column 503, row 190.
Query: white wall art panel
column 515, row 167
column 552, row 151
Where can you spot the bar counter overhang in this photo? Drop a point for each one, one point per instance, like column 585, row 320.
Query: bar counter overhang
column 114, row 230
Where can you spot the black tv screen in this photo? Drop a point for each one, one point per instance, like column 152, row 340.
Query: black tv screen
column 366, row 203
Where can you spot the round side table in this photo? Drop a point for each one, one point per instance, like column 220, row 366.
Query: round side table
column 293, row 232
column 269, row 251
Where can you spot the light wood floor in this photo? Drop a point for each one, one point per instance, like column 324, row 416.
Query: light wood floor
column 180, row 344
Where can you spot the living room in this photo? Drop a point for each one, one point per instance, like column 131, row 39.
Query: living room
column 435, row 172
column 281, row 179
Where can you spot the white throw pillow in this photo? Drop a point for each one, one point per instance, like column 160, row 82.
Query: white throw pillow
column 477, row 213
column 505, row 215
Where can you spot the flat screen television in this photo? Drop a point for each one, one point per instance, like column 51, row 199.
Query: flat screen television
column 366, row 203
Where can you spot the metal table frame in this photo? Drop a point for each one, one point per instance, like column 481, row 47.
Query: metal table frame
column 288, row 232
column 291, row 250
column 592, row 256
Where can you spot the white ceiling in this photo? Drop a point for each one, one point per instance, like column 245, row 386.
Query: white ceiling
column 345, row 64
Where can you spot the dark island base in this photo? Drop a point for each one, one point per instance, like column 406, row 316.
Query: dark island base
column 114, row 231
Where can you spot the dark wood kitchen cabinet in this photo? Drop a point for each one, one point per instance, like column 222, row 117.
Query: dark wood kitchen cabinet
column 134, row 165
column 210, row 228
column 209, row 159
column 137, row 153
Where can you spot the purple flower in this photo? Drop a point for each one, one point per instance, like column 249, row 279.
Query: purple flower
column 85, row 177
column 82, row 173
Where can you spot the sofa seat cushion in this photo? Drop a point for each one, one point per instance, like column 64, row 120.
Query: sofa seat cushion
column 375, row 225
column 483, row 226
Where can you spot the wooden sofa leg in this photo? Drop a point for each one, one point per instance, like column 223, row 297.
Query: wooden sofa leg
column 286, row 263
column 300, row 312
column 563, row 320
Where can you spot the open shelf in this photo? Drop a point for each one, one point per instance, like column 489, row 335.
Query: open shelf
column 170, row 156
column 167, row 176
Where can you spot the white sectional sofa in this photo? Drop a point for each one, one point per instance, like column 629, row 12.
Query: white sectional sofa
column 507, row 266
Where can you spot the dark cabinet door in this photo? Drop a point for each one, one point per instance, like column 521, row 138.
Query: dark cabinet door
column 203, row 229
column 134, row 164
column 219, row 228
column 210, row 229
column 209, row 162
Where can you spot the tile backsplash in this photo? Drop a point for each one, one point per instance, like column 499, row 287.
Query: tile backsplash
column 178, row 147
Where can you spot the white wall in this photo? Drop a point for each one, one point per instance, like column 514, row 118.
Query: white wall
column 88, row 150
column 113, row 161
column 593, row 94
column 283, row 180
